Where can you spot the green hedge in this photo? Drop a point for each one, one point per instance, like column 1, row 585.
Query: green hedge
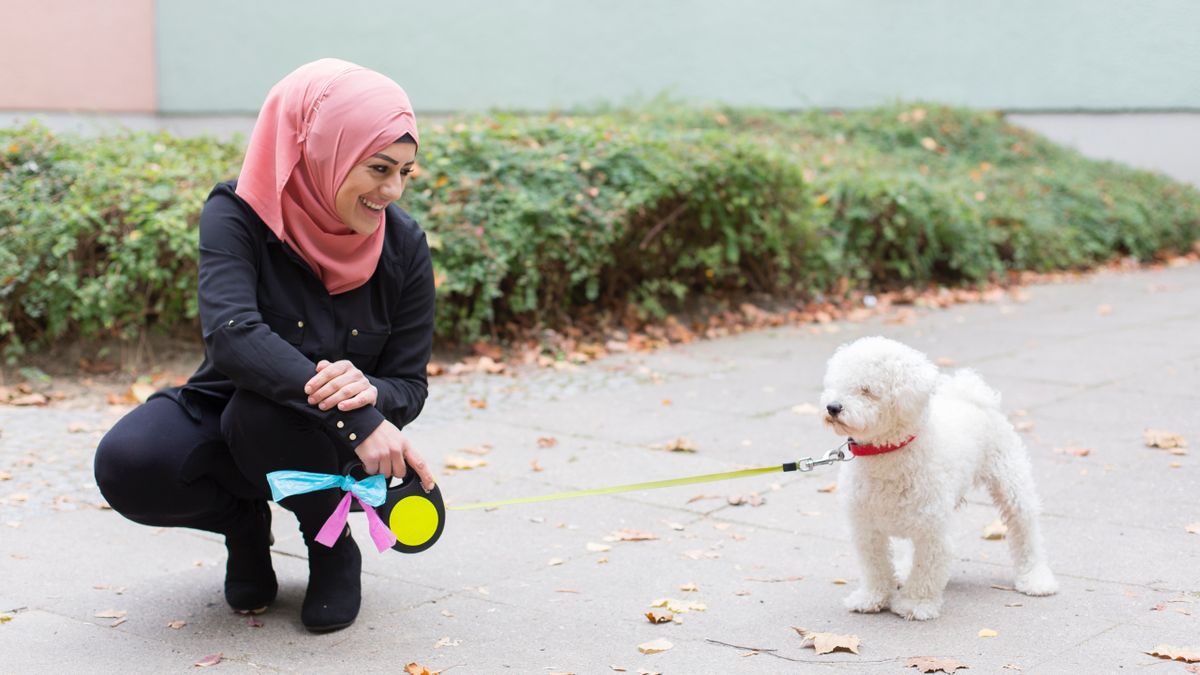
column 550, row 220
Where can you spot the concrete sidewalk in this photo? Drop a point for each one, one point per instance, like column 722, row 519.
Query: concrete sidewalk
column 524, row 589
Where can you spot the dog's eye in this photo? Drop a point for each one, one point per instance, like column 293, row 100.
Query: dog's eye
column 866, row 391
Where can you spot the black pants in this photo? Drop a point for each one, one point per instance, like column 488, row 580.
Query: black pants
column 159, row 466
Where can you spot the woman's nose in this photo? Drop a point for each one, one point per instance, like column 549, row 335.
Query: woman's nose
column 393, row 187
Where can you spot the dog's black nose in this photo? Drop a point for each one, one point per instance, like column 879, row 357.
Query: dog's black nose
column 834, row 408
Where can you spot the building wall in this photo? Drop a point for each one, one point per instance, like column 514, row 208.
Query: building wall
column 452, row 55
column 77, row 55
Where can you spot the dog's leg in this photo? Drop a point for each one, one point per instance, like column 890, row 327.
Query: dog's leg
column 875, row 560
column 1011, row 487
column 921, row 597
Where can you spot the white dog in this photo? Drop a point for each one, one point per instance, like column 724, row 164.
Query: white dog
column 921, row 440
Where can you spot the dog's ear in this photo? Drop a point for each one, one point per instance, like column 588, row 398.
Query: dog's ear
column 914, row 383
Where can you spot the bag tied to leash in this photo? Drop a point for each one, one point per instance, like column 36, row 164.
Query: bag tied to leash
column 370, row 492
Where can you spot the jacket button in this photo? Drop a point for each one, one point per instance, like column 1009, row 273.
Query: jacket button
column 341, row 424
column 354, row 332
column 299, row 324
column 353, row 437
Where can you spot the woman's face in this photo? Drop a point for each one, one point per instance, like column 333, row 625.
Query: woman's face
column 372, row 184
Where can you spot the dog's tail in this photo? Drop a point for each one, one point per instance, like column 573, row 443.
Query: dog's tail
column 966, row 384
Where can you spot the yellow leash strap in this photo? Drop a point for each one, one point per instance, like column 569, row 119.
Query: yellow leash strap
column 806, row 464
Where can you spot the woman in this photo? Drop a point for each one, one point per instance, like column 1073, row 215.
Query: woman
column 316, row 303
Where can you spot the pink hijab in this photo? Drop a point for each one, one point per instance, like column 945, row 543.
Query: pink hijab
column 316, row 124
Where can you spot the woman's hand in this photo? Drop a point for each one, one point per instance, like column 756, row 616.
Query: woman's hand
column 341, row 384
column 386, row 451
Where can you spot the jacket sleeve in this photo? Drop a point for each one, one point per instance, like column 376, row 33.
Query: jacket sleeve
column 400, row 374
column 240, row 344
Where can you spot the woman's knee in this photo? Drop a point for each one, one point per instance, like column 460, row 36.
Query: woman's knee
column 140, row 461
column 123, row 466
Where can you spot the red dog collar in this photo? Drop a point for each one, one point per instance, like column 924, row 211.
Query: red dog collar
column 860, row 450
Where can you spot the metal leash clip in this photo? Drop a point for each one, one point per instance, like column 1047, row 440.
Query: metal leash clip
column 838, row 454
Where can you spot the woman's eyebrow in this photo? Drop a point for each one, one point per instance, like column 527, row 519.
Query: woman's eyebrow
column 384, row 157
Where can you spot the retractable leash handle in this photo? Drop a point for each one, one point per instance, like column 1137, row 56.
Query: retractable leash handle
column 416, row 517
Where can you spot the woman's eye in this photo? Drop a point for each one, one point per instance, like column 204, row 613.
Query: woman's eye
column 379, row 169
column 405, row 172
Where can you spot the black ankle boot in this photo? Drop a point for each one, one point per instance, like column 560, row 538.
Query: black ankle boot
column 250, row 584
column 334, row 592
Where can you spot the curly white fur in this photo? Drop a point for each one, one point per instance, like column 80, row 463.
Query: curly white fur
column 878, row 392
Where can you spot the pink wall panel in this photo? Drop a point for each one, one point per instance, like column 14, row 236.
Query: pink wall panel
column 77, row 55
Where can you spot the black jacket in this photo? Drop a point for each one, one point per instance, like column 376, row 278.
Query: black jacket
column 267, row 319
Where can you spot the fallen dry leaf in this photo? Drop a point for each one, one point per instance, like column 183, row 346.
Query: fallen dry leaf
column 478, row 451
column 825, row 643
column 680, row 444
column 462, row 463
column 4, row 475
column 840, row 582
column 930, row 664
column 477, row 403
column 832, row 487
column 118, row 622
column 1185, row 654
column 689, row 587
column 1157, row 438
column 753, row 499
column 995, row 531
column 30, row 399
column 680, row 606
column 1074, row 451
column 547, row 441
column 111, row 614
column 554, row 562
column 987, row 633
column 773, row 580
column 415, row 668
column 536, row 466
column 598, row 548
column 630, row 535
column 446, row 642
column 140, row 391
column 210, row 660
column 1194, row 528
column 946, row 362
column 176, row 625
column 1104, row 310
column 659, row 617
column 5, row 618
column 654, row 646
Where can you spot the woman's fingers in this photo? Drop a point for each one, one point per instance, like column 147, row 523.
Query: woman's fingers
column 417, row 464
column 345, row 390
column 323, row 375
column 362, row 399
column 337, row 377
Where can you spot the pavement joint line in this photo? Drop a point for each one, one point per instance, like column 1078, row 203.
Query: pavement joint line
column 1061, row 653
column 1077, row 577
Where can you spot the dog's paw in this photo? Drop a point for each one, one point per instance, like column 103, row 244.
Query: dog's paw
column 917, row 609
column 1038, row 581
column 866, row 601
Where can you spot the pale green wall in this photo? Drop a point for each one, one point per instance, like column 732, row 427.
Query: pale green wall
column 223, row 55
